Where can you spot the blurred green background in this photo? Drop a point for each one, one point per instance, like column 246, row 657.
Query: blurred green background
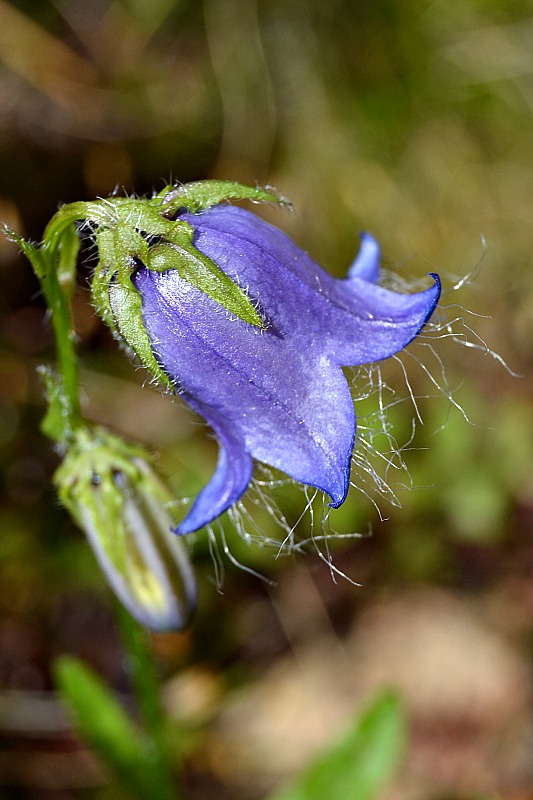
column 412, row 120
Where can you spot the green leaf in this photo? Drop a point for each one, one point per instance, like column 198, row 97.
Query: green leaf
column 105, row 726
column 361, row 763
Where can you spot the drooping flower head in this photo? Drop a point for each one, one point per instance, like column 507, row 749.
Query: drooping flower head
column 256, row 347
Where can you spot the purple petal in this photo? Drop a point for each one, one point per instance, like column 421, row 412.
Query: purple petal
column 290, row 407
column 392, row 321
column 366, row 263
column 228, row 483
column 353, row 320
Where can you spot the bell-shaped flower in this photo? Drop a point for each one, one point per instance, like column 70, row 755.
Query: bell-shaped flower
column 273, row 392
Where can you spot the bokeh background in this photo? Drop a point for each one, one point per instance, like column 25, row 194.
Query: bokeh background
column 411, row 119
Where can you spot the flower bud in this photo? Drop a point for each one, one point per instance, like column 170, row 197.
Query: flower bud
column 114, row 495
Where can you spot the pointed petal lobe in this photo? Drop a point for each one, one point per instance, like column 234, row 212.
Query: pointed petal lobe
column 366, row 263
column 228, row 483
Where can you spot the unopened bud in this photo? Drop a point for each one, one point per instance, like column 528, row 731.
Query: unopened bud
column 122, row 506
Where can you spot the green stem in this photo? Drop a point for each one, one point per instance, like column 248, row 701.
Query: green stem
column 145, row 684
column 58, row 280
column 66, row 356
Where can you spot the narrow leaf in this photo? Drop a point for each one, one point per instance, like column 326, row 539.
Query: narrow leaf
column 105, row 726
column 361, row 763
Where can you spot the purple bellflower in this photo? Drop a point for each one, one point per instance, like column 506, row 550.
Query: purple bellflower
column 274, row 393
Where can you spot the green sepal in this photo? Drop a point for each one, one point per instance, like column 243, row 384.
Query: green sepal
column 142, row 215
column 199, row 195
column 104, row 273
column 115, row 298
column 126, row 304
column 87, row 488
column 200, row 271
